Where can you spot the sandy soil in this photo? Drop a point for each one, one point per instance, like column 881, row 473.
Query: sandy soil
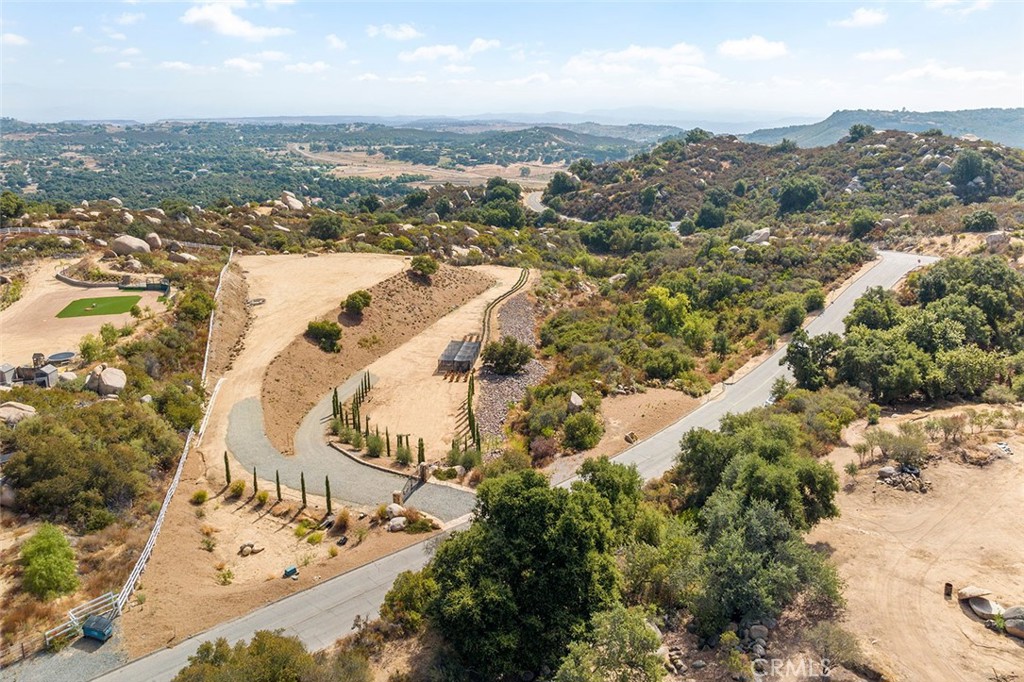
column 183, row 574
column 360, row 164
column 897, row 549
column 410, row 397
column 231, row 322
column 402, row 307
column 642, row 413
column 30, row 325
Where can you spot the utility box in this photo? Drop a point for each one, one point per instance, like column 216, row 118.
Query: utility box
column 98, row 628
column 291, row 571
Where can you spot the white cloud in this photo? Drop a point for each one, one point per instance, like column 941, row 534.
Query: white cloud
column 680, row 62
column 862, row 18
column 459, row 68
column 123, row 65
column 130, row 18
column 335, row 43
column 77, row 29
column 274, row 4
column 114, row 35
column 307, row 67
column 400, row 32
column 268, row 56
column 407, row 79
column 885, row 54
column 104, row 49
column 482, row 45
column 244, row 65
column 753, row 48
column 131, row 52
column 221, row 18
column 177, row 66
column 960, row 7
column 533, row 78
column 13, row 40
column 365, row 77
column 932, row 70
column 430, row 53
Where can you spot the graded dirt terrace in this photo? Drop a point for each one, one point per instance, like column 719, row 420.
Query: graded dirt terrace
column 896, row 550
column 30, row 325
column 402, row 308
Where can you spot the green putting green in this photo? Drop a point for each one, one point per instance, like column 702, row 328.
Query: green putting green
column 107, row 305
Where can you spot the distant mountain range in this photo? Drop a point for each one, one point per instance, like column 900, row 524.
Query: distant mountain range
column 1005, row 126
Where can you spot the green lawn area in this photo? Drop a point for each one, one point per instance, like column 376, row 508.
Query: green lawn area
column 107, row 305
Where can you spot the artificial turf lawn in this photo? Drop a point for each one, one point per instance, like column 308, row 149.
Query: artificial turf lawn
column 108, row 305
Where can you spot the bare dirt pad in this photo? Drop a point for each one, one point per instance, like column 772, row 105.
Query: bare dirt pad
column 231, row 321
column 896, row 550
column 181, row 592
column 30, row 325
column 642, row 413
column 402, row 307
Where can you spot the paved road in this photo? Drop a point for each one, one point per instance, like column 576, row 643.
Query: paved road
column 324, row 613
column 351, row 481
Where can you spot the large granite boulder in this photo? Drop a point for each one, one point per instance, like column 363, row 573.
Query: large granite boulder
column 106, row 380
column 291, row 202
column 394, row 509
column 985, row 608
column 154, row 241
column 1015, row 627
column 398, row 523
column 126, row 245
column 13, row 412
column 575, row 403
column 181, row 257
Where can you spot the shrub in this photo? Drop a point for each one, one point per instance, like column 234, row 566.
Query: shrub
column 814, row 300
column 507, row 356
column 325, row 334
column 208, row 544
column 543, row 448
column 375, row 446
column 581, row 431
column 236, row 489
column 357, row 301
column 356, row 440
column 408, row 599
column 341, row 520
column 199, row 497
column 315, row 538
column 874, row 413
column 423, row 265
column 862, row 222
column 792, row 317
column 326, row 227
column 980, row 221
column 446, row 474
column 50, row 568
column 403, row 455
column 262, row 497
column 195, row 305
column 225, row 576
column 332, row 551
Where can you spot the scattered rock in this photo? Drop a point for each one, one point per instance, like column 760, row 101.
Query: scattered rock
column 146, row 399
column 66, row 377
column 99, row 242
column 106, row 380
column 575, row 403
column 431, row 219
column 944, row 168
column 1014, row 612
column 181, row 257
column 126, row 245
column 396, row 524
column 114, row 200
column 133, row 265
column 394, row 509
column 154, row 241
column 758, row 632
column 13, row 412
column 758, row 236
column 291, row 202
column 886, row 472
column 127, row 218
column 985, row 608
column 617, row 278
column 994, row 240
column 698, row 665
column 1015, row 627
column 470, row 232
column 970, row 592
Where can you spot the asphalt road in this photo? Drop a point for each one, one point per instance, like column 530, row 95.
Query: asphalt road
column 322, row 614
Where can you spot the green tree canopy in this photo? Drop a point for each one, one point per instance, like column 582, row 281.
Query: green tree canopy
column 621, row 647
column 327, row 226
column 50, row 567
column 506, row 356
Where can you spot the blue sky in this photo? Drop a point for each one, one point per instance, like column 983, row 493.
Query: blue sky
column 148, row 60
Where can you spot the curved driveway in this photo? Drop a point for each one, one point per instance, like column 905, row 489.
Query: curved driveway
column 321, row 614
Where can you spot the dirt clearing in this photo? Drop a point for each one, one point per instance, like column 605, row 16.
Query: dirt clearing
column 897, row 549
column 30, row 325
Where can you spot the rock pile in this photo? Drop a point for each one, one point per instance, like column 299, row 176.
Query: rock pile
column 902, row 480
column 106, row 380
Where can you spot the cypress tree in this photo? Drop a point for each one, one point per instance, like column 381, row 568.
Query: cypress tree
column 327, row 485
column 302, row 482
column 387, row 440
column 255, row 486
column 366, row 431
column 227, row 469
column 277, row 481
column 420, row 452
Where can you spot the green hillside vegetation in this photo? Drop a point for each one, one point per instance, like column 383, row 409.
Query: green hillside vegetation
column 710, row 182
column 1004, row 126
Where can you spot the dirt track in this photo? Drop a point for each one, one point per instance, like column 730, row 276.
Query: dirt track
column 897, row 549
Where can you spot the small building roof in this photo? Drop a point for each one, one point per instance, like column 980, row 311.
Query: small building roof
column 451, row 351
column 47, row 369
column 6, row 367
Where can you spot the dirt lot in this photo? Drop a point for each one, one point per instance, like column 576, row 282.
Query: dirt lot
column 360, row 164
column 896, row 550
column 401, row 309
column 410, row 397
column 30, row 325
column 183, row 574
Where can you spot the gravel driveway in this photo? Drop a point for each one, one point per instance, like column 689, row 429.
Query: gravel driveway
column 351, row 481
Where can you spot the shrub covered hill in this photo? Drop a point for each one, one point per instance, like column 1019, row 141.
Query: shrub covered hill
column 707, row 181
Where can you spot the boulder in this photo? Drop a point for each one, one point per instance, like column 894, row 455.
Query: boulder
column 106, row 380
column 8, row 496
column 575, row 403
column 466, row 196
column 460, row 251
column 173, row 246
column 67, row 377
column 617, row 277
column 291, row 202
column 154, row 241
column 181, row 257
column 115, row 201
column 99, row 242
column 13, row 412
column 985, row 608
column 394, row 509
column 431, row 219
column 64, row 241
column 127, row 218
column 993, row 240
column 1014, row 612
column 469, row 232
column 126, row 245
column 970, row 592
column 159, row 211
column 398, row 523
column 133, row 265
column 944, row 168
column 758, row 632
column 1015, row 627
column 886, row 472
column 146, row 399
column 758, row 236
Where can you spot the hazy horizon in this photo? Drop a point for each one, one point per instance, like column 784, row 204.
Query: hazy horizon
column 147, row 61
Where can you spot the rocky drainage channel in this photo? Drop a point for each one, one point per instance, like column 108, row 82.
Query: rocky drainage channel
column 1010, row 621
column 753, row 642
